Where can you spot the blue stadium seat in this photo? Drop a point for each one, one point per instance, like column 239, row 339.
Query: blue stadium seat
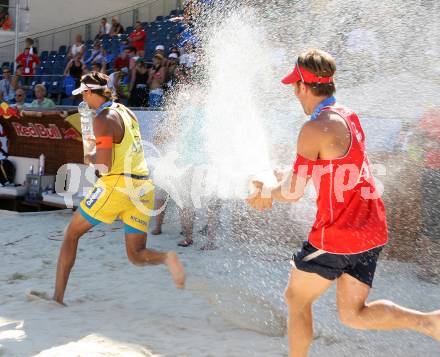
column 129, row 29
column 56, row 86
column 159, row 18
column 122, row 36
column 62, row 50
column 29, row 95
column 69, row 101
column 87, row 54
column 40, row 70
column 52, row 55
column 47, row 82
column 44, row 55
column 174, row 12
column 149, row 53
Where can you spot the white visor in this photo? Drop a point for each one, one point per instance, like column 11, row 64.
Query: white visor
column 83, row 87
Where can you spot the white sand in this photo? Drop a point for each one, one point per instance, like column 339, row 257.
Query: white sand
column 116, row 309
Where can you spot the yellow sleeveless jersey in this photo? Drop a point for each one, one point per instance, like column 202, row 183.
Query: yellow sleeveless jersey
column 128, row 156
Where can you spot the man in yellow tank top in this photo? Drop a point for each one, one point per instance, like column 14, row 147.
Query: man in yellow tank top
column 123, row 190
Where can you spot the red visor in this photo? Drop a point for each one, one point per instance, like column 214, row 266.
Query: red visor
column 303, row 75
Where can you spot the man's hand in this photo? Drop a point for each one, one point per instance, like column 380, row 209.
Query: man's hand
column 258, row 199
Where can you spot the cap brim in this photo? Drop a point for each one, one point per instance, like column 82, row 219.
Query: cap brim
column 291, row 78
column 77, row 91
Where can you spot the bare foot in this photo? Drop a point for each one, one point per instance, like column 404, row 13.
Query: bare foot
column 176, row 269
column 185, row 243
column 434, row 328
column 156, row 231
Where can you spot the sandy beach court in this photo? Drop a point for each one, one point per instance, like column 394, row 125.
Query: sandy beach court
column 117, row 309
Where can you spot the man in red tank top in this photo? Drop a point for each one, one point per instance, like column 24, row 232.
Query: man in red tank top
column 350, row 227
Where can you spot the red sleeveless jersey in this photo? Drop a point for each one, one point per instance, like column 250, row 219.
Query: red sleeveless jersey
column 351, row 215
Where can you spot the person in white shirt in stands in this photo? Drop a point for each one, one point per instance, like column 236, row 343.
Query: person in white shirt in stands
column 77, row 48
column 188, row 59
column 104, row 28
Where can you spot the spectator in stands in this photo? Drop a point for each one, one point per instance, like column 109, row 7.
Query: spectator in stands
column 137, row 38
column 20, row 99
column 156, row 80
column 173, row 72
column 96, row 56
column 133, row 57
column 7, row 86
column 98, row 67
column 123, row 44
column 77, row 48
column 118, row 83
column 104, row 29
column 41, row 102
column 188, row 59
column 28, row 62
column 30, row 43
column 175, row 50
column 117, row 28
column 139, row 86
column 109, row 57
column 5, row 20
column 123, row 60
column 160, row 49
column 76, row 69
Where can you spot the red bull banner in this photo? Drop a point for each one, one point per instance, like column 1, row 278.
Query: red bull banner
column 54, row 134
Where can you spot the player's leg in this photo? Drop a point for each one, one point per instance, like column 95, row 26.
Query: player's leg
column 187, row 219
column 160, row 205
column 74, row 231
column 355, row 312
column 213, row 212
column 302, row 290
column 140, row 255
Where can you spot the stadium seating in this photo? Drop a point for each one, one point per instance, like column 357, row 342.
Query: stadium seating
column 52, row 63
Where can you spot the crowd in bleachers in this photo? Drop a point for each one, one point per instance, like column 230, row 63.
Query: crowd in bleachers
column 143, row 61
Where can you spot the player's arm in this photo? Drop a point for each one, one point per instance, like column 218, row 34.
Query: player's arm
column 104, row 134
column 292, row 188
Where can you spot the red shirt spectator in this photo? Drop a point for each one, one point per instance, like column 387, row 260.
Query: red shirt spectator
column 27, row 61
column 123, row 60
column 138, row 37
column 5, row 20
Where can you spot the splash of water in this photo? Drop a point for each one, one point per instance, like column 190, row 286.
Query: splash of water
column 248, row 121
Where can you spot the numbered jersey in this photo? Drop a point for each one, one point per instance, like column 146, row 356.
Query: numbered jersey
column 351, row 215
column 128, row 156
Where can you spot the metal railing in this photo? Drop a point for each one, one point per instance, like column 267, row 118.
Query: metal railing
column 50, row 40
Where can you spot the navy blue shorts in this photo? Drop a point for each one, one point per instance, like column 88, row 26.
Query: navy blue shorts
column 330, row 266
